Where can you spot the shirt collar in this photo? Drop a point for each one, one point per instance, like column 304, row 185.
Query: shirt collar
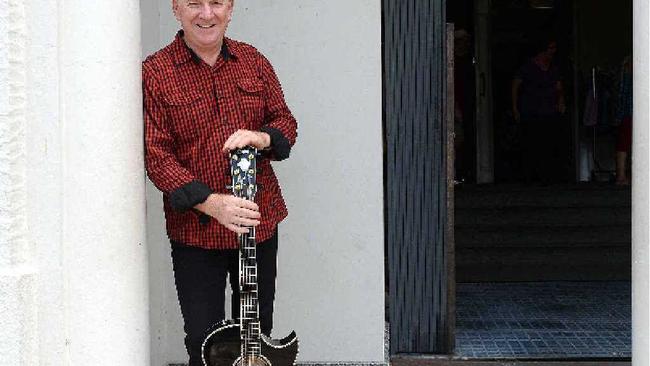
column 183, row 53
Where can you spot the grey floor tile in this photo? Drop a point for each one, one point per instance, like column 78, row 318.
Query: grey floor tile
column 545, row 320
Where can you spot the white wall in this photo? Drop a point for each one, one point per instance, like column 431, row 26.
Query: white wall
column 331, row 286
column 331, row 278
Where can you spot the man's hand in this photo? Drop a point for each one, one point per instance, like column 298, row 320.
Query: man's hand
column 235, row 213
column 242, row 138
column 516, row 115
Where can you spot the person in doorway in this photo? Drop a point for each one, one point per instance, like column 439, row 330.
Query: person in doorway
column 538, row 104
column 205, row 95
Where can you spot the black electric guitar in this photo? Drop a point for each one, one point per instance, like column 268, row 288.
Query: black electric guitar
column 240, row 342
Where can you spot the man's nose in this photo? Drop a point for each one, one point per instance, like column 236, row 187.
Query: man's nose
column 206, row 11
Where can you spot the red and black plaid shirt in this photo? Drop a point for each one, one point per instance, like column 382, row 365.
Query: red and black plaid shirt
column 190, row 109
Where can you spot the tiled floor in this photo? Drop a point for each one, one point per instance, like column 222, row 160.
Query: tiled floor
column 544, row 320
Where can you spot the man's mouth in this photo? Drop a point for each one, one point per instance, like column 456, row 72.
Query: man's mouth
column 205, row 26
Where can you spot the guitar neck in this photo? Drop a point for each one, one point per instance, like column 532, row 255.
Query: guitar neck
column 243, row 169
column 249, row 307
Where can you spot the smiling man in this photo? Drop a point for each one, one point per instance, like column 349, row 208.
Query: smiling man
column 204, row 95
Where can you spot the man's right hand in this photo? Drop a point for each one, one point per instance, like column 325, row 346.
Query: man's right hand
column 236, row 214
column 516, row 115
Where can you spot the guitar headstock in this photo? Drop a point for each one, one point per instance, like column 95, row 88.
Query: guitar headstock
column 243, row 170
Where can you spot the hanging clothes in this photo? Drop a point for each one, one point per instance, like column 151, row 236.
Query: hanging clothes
column 599, row 102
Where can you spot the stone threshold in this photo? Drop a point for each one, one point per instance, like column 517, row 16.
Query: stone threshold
column 447, row 361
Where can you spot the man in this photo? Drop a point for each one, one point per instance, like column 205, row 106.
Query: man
column 204, row 95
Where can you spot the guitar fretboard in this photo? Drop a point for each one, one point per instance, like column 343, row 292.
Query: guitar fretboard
column 249, row 306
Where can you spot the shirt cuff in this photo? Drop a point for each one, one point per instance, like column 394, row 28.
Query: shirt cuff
column 189, row 195
column 279, row 143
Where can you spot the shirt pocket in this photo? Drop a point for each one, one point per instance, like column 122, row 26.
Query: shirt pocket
column 251, row 95
column 186, row 112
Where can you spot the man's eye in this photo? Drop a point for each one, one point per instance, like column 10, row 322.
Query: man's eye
column 193, row 4
column 217, row 2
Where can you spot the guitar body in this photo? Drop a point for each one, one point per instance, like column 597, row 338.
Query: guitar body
column 222, row 347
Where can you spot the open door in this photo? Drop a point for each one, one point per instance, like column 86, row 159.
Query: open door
column 416, row 109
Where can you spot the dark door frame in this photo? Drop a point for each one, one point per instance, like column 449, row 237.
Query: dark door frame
column 421, row 290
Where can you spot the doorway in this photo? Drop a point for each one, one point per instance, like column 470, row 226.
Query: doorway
column 543, row 268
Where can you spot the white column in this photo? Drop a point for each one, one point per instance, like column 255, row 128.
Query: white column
column 103, row 236
column 73, row 261
column 17, row 271
column 641, row 188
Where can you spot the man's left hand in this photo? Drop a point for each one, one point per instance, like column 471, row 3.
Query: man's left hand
column 242, row 138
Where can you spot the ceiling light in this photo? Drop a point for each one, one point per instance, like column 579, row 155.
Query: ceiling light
column 541, row 4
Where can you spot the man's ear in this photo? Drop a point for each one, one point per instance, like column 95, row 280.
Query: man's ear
column 175, row 9
column 232, row 8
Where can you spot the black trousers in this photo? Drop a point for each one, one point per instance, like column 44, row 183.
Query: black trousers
column 200, row 276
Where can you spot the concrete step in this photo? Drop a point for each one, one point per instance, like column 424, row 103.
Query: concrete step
column 538, row 256
column 517, row 233
column 543, row 264
column 543, row 236
column 553, row 196
column 543, row 272
column 562, row 217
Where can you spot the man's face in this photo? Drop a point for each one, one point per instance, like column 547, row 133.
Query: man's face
column 204, row 22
